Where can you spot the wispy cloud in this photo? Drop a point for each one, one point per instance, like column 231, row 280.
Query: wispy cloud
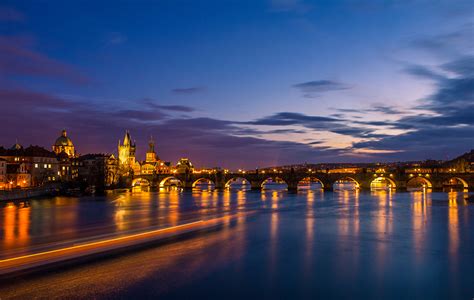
column 448, row 43
column 312, row 89
column 177, row 108
column 448, row 129
column 17, row 58
column 318, row 123
column 208, row 141
column 189, row 90
column 423, row 72
column 380, row 108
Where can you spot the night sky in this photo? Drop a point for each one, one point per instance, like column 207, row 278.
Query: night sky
column 242, row 84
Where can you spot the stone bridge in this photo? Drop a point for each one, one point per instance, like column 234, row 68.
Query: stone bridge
column 363, row 180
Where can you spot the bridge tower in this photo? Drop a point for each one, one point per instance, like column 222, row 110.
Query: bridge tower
column 151, row 156
column 126, row 152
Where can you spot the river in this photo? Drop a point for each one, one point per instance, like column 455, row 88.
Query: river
column 342, row 244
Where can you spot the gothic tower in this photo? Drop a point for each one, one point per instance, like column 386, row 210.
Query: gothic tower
column 126, row 151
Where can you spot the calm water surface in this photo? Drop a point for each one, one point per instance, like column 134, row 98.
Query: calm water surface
column 344, row 244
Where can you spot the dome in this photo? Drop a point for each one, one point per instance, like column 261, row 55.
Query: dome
column 63, row 140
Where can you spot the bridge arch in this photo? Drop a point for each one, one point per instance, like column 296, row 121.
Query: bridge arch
column 456, row 181
column 140, row 181
column 199, row 181
column 419, row 182
column 170, row 181
column 308, row 181
column 237, row 180
column 346, row 183
column 275, row 182
column 378, row 183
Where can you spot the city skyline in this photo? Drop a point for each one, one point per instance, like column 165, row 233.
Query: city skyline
column 236, row 149
column 243, row 84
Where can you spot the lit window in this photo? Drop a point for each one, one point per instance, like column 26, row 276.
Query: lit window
column 49, row 166
column 36, row 166
column 45, row 166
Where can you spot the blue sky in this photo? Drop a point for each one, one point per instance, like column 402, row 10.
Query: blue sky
column 242, row 83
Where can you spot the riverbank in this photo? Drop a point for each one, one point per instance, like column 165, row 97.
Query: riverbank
column 21, row 194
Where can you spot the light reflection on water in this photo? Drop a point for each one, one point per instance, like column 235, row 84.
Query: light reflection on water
column 331, row 244
column 310, row 223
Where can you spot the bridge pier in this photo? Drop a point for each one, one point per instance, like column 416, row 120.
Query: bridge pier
column 255, row 185
column 328, row 188
column 292, row 187
column 187, row 185
column 401, row 188
column 219, row 185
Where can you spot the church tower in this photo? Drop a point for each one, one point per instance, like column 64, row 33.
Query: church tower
column 126, row 151
column 151, row 154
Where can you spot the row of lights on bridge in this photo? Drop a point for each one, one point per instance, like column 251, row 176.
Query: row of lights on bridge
column 379, row 172
column 420, row 175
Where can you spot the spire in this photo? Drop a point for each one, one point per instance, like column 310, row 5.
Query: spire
column 151, row 145
column 64, row 133
column 16, row 146
column 127, row 139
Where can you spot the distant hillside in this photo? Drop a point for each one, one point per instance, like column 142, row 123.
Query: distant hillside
column 461, row 163
column 468, row 157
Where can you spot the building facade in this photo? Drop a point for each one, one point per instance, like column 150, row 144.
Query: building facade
column 3, row 173
column 153, row 164
column 184, row 165
column 98, row 170
column 26, row 167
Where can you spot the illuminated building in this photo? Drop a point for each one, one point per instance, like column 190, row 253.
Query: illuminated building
column 66, row 155
column 17, row 175
column 126, row 151
column 153, row 164
column 64, row 144
column 32, row 166
column 67, row 169
column 3, row 173
column 184, row 165
column 126, row 156
column 149, row 165
column 151, row 156
column 99, row 170
column 128, row 164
